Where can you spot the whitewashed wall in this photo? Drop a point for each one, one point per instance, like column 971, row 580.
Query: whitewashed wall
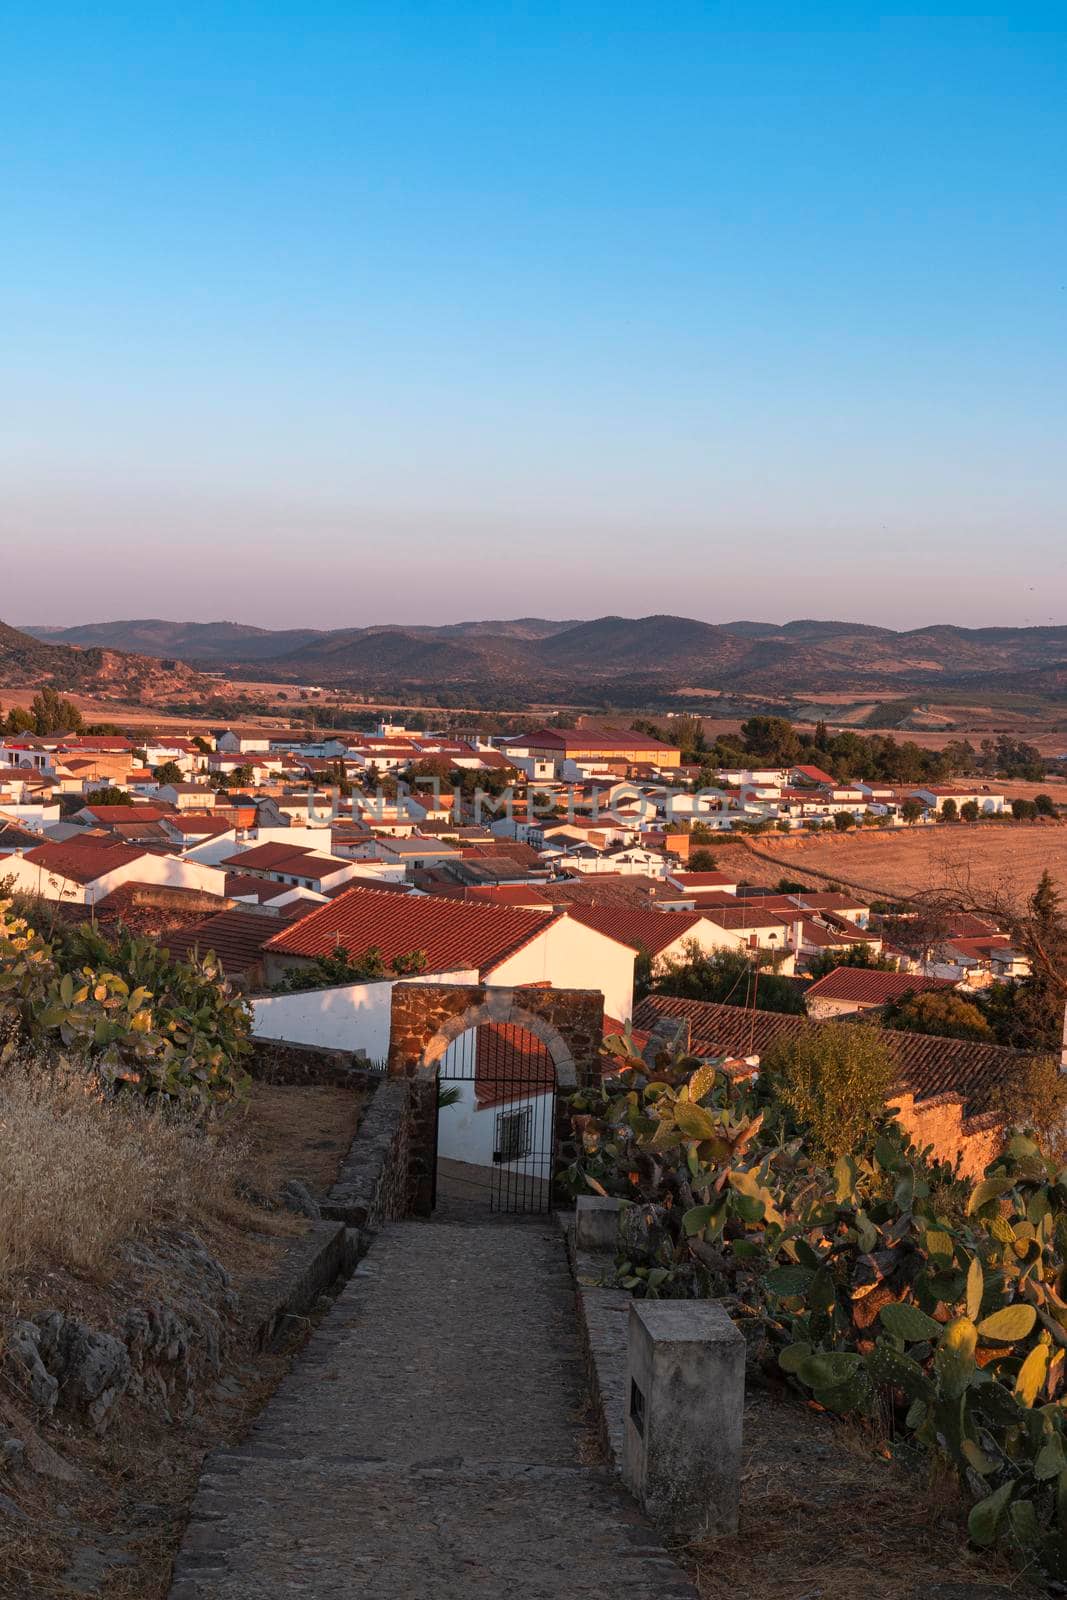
column 352, row 1016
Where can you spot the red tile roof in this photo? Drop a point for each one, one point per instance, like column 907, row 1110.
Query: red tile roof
column 510, row 1064
column 702, row 880
column 237, row 937
column 199, row 822
column 453, row 934
column 83, row 861
column 239, row 885
column 267, row 857
column 505, row 894
column 641, row 930
column 114, row 814
column 867, row 986
column 927, row 1066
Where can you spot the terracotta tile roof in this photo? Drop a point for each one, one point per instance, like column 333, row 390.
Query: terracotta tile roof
column 524, row 854
column 240, row 885
column 237, row 937
column 13, row 836
column 116, row 814
column 146, row 909
column 110, row 743
column 702, row 880
column 453, row 933
column 510, row 1064
column 927, row 1066
column 298, row 860
column 83, row 861
column 748, row 916
column 641, row 930
column 505, row 894
column 867, row 986
column 198, row 822
column 607, row 889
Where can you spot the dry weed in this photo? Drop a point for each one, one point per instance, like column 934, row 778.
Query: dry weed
column 80, row 1174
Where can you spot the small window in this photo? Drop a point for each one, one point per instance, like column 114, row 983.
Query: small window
column 512, row 1134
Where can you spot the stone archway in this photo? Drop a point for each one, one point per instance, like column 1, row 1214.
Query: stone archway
column 427, row 1017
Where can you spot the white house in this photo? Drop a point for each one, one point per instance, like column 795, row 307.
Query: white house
column 83, row 872
column 503, row 945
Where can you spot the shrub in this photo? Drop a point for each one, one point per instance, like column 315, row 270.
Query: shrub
column 835, row 1079
column 126, row 1012
column 883, row 1287
column 701, row 861
column 729, row 977
column 944, row 1014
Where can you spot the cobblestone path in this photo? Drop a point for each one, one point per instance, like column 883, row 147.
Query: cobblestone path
column 427, row 1444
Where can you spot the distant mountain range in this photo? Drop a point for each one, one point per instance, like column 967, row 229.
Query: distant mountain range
column 628, row 660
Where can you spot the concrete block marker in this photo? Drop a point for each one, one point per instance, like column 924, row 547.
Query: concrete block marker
column 596, row 1222
column 685, row 1391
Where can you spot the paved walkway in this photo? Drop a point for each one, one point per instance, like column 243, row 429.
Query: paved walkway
column 426, row 1445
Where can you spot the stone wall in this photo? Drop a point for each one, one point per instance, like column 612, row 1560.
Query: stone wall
column 972, row 1142
column 376, row 1180
column 279, row 1061
column 426, row 1017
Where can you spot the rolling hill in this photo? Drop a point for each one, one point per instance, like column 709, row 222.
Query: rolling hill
column 121, row 674
column 625, row 659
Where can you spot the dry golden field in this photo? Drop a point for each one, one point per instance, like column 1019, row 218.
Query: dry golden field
column 1007, row 855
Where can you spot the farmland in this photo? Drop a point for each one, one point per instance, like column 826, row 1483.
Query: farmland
column 1011, row 855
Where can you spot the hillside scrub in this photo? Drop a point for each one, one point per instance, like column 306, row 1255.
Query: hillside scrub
column 883, row 1286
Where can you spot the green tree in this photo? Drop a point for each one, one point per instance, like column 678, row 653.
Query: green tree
column 1034, row 1100
column 109, row 795
column 941, row 1012
column 835, row 1078
column 701, row 861
column 169, row 772
column 52, row 714
column 949, row 810
column 853, row 955
column 1046, row 806
column 729, row 977
column 911, row 811
column 970, row 811
column 339, row 967
column 843, row 820
column 1023, row 810
column 771, row 740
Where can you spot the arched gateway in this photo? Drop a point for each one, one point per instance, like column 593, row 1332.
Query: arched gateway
column 502, row 1053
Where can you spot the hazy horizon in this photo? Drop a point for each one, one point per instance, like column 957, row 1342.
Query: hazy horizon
column 529, row 616
column 317, row 314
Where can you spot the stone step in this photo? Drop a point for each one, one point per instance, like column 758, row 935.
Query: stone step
column 265, row 1529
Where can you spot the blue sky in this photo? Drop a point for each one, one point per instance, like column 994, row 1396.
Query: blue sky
column 379, row 312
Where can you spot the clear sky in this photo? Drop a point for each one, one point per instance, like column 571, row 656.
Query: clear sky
column 339, row 313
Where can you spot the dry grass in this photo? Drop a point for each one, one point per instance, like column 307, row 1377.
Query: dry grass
column 825, row 1517
column 917, row 859
column 296, row 1132
column 80, row 1175
column 79, row 1179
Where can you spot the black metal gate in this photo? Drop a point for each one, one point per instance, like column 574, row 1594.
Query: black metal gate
column 496, row 1120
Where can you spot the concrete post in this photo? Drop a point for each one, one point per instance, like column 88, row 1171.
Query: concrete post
column 596, row 1222
column 685, row 1394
